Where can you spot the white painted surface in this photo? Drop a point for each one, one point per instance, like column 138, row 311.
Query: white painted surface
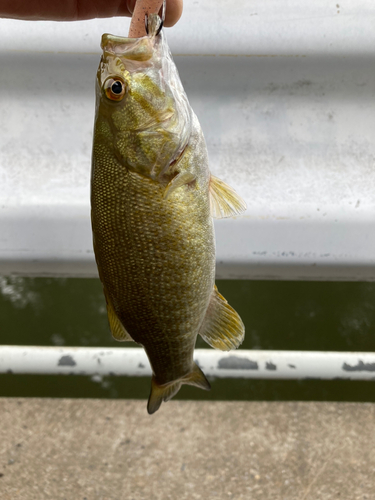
column 236, row 364
column 285, row 92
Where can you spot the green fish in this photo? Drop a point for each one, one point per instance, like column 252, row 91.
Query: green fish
column 152, row 202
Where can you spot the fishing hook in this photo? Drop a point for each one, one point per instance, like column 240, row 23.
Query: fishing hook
column 162, row 18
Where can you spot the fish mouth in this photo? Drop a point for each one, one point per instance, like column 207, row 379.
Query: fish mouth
column 133, row 49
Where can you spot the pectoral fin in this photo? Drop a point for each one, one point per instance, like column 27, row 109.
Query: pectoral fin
column 222, row 327
column 224, row 200
column 178, row 181
column 160, row 393
column 117, row 329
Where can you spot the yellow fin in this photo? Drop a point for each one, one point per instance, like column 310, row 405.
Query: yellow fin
column 222, row 327
column 178, row 181
column 197, row 378
column 117, row 329
column 224, row 200
column 160, row 393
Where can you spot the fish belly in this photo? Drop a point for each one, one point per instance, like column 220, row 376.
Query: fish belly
column 156, row 260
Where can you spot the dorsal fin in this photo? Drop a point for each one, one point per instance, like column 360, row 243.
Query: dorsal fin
column 222, row 327
column 224, row 200
column 117, row 328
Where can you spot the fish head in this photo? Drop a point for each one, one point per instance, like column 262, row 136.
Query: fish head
column 141, row 103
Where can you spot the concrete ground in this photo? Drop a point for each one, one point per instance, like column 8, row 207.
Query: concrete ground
column 109, row 449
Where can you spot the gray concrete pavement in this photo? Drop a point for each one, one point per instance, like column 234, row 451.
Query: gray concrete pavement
column 113, row 450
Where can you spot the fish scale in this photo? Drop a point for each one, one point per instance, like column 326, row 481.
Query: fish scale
column 158, row 257
column 152, row 198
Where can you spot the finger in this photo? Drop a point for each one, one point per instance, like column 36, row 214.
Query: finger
column 73, row 10
column 173, row 12
column 63, row 10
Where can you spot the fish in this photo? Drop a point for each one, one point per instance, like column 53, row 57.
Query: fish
column 153, row 200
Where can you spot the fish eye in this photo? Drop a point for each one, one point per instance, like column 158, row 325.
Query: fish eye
column 115, row 89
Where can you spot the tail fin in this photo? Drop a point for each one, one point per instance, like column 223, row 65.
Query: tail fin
column 160, row 393
column 197, row 378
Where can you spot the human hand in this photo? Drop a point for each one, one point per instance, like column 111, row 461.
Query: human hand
column 75, row 10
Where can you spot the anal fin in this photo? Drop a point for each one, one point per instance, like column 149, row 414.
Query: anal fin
column 160, row 393
column 117, row 328
column 224, row 200
column 222, row 326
